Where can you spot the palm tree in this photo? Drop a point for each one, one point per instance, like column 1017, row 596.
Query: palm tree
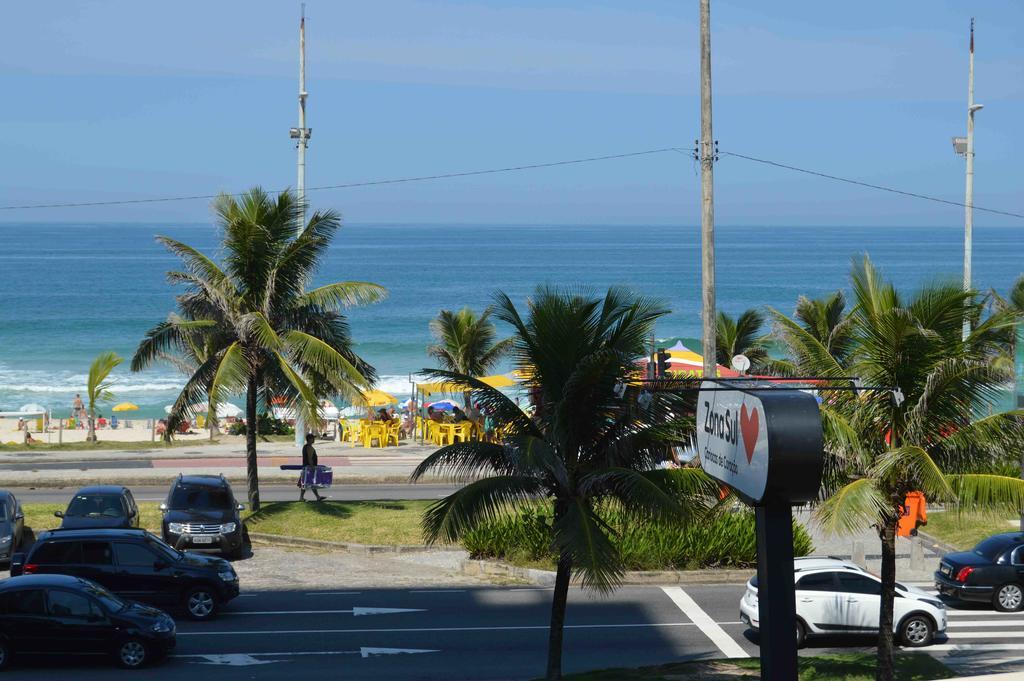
column 923, row 434
column 466, row 343
column 740, row 336
column 196, row 343
column 97, row 387
column 269, row 336
column 583, row 448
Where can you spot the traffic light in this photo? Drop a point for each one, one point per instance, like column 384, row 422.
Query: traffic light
column 663, row 363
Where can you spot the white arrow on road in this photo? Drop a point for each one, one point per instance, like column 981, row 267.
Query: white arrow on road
column 246, row 660
column 358, row 612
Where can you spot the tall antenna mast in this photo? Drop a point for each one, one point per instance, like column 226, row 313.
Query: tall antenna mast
column 302, row 133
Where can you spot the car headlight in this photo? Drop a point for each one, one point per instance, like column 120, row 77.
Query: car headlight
column 228, row 528
column 228, row 575
column 163, row 626
column 176, row 528
column 938, row 604
column 4, row 541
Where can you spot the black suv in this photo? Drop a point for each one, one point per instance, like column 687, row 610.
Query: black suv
column 100, row 506
column 201, row 514
column 134, row 564
column 56, row 614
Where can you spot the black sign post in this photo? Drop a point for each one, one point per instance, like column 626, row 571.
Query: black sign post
column 765, row 442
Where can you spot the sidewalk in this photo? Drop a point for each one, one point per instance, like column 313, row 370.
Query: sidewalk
column 159, row 464
column 916, row 558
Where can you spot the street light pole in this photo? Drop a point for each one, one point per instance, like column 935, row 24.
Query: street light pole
column 301, row 134
column 969, row 198
column 706, row 152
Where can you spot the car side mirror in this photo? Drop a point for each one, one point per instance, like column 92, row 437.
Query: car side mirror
column 59, row 514
column 20, row 515
column 163, row 507
column 240, row 507
column 132, row 513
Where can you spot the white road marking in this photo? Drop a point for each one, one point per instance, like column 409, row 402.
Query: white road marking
column 986, row 634
column 531, row 588
column 711, row 629
column 243, row 660
column 981, row 613
column 334, row 593
column 407, row 630
column 983, row 623
column 358, row 612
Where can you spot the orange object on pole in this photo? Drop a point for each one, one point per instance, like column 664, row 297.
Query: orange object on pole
column 915, row 514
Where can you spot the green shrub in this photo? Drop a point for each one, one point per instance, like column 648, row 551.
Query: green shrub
column 265, row 425
column 727, row 539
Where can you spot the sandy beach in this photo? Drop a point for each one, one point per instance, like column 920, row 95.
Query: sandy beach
column 128, row 430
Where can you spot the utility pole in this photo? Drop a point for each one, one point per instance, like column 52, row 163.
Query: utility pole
column 301, row 134
column 968, row 152
column 706, row 150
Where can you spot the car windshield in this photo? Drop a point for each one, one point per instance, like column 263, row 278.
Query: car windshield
column 185, row 498
column 990, row 548
column 95, row 506
column 163, row 549
column 111, row 602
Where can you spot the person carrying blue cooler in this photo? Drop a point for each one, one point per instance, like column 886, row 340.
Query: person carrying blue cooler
column 309, row 464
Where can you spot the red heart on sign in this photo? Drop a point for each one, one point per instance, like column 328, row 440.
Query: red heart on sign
column 750, row 427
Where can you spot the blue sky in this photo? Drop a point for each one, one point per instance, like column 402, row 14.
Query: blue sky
column 118, row 99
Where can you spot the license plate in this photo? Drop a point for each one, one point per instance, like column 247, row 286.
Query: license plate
column 202, row 540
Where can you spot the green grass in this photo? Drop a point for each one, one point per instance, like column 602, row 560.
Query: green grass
column 360, row 522
column 964, row 530
column 845, row 667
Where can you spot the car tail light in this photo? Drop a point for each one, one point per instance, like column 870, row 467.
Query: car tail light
column 964, row 574
column 29, row 568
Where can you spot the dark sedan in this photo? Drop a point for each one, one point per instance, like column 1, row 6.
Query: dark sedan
column 992, row 572
column 55, row 614
column 100, row 506
column 12, row 525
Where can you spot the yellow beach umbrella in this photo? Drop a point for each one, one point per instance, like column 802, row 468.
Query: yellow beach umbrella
column 498, row 381
column 126, row 406
column 378, row 398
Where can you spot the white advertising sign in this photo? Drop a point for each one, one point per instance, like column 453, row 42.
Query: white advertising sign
column 732, row 439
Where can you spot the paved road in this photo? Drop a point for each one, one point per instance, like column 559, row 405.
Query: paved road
column 267, row 493
column 487, row 633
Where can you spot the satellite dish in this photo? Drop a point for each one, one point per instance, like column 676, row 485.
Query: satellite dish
column 741, row 363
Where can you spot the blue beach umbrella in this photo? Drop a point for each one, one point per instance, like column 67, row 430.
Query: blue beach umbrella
column 443, row 405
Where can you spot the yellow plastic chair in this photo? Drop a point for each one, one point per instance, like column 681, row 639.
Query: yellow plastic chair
column 200, row 422
column 461, row 432
column 393, row 432
column 374, row 431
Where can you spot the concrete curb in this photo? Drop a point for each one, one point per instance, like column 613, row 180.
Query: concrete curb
column 104, row 476
column 362, row 549
column 937, row 543
column 494, row 568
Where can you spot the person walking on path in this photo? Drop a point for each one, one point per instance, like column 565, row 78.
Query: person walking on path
column 309, row 463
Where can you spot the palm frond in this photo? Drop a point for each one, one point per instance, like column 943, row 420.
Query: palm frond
column 343, row 294
column 987, row 492
column 911, row 466
column 582, row 535
column 477, row 503
column 853, row 507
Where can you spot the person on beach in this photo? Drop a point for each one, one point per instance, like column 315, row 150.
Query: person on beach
column 435, row 415
column 78, row 407
column 458, row 416
column 309, row 462
column 382, row 415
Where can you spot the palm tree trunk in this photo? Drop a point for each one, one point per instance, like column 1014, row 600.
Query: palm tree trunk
column 211, row 418
column 558, row 605
column 91, row 437
column 885, row 669
column 251, row 462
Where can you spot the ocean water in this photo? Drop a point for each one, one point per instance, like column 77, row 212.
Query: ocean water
column 71, row 290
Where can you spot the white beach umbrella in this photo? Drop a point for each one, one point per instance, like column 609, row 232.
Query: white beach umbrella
column 32, row 407
column 227, row 410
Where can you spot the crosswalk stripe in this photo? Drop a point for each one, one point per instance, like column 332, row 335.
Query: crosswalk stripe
column 973, row 647
column 985, row 634
column 981, row 613
column 959, row 624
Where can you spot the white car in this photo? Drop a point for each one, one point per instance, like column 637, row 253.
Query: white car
column 835, row 597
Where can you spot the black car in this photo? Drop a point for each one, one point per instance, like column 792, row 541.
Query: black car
column 136, row 565
column 100, row 506
column 12, row 525
column 992, row 572
column 57, row 614
column 201, row 514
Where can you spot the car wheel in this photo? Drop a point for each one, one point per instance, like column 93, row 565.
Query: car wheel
column 201, row 603
column 132, row 653
column 5, row 654
column 1008, row 598
column 801, row 634
column 916, row 631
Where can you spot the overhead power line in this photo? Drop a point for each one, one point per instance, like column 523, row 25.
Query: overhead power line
column 532, row 166
column 350, row 185
column 879, row 187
